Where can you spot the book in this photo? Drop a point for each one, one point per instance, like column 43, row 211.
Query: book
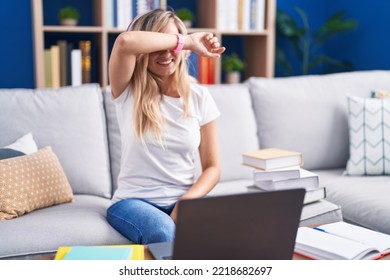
column 98, row 253
column 131, row 252
column 272, row 158
column 55, row 66
column 307, row 180
column 341, row 241
column 47, row 57
column 85, row 47
column 63, row 45
column 311, row 196
column 320, row 212
column 76, row 67
column 276, row 174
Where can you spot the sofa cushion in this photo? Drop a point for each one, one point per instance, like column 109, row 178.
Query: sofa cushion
column 114, row 136
column 309, row 113
column 71, row 120
column 369, row 131
column 236, row 129
column 82, row 222
column 32, row 182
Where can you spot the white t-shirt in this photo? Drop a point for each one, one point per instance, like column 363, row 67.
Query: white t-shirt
column 151, row 172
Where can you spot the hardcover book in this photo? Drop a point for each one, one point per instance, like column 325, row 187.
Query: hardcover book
column 276, row 174
column 337, row 241
column 307, row 180
column 311, row 196
column 272, row 158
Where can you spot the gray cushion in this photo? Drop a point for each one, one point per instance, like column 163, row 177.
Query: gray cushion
column 114, row 136
column 71, row 120
column 82, row 222
column 364, row 200
column 309, row 113
column 236, row 129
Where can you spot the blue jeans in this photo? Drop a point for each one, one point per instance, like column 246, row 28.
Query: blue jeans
column 141, row 221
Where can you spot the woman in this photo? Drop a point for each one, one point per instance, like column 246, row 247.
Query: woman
column 163, row 120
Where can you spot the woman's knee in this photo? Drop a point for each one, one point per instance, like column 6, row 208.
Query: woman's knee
column 141, row 222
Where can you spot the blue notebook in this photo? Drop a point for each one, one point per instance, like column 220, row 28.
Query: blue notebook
column 98, row 253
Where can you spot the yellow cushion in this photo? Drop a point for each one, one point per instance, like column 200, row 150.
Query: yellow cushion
column 32, row 182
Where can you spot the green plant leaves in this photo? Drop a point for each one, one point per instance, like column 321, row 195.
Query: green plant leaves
column 306, row 45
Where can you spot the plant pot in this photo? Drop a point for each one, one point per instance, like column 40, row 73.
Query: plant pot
column 69, row 22
column 233, row 77
column 187, row 23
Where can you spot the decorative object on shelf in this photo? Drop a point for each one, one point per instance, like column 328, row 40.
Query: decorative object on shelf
column 233, row 66
column 69, row 16
column 186, row 15
column 306, row 46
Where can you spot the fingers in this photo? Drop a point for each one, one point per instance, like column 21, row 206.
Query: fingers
column 214, row 46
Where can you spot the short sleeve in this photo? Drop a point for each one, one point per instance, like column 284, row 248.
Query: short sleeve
column 205, row 107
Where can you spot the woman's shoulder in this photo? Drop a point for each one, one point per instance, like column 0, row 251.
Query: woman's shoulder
column 199, row 90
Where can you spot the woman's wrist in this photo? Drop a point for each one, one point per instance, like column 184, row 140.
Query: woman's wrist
column 180, row 43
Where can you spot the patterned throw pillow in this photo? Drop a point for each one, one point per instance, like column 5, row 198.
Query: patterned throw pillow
column 369, row 132
column 32, row 182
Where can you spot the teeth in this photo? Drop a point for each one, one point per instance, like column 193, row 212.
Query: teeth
column 164, row 62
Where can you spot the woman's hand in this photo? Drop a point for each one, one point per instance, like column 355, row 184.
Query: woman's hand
column 204, row 44
column 174, row 213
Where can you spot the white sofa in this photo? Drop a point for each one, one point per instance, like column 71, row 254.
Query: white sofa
column 307, row 114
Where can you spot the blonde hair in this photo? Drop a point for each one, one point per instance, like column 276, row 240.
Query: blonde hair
column 145, row 86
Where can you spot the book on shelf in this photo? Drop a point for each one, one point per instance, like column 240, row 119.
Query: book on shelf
column 307, row 180
column 76, row 67
column 55, row 66
column 311, row 196
column 85, row 47
column 341, row 241
column 124, row 13
column 206, row 67
column 47, row 57
column 63, row 45
column 112, row 252
column 245, row 15
column 272, row 158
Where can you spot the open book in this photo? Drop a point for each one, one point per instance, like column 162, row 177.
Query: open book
column 337, row 241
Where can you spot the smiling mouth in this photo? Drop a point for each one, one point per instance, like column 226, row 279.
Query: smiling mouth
column 166, row 62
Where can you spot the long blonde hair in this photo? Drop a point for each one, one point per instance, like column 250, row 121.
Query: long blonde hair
column 145, row 86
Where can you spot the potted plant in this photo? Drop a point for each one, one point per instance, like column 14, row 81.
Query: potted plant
column 306, row 46
column 186, row 15
column 69, row 16
column 233, row 66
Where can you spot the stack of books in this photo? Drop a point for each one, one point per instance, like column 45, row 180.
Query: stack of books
column 277, row 169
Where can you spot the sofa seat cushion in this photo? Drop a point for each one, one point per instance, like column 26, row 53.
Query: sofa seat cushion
column 364, row 200
column 82, row 222
column 309, row 114
column 72, row 121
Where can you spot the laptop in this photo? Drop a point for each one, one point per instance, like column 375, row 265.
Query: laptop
column 247, row 226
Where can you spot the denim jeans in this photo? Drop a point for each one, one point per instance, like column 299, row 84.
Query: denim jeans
column 141, row 221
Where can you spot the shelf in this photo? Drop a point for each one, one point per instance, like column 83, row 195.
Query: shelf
column 258, row 46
